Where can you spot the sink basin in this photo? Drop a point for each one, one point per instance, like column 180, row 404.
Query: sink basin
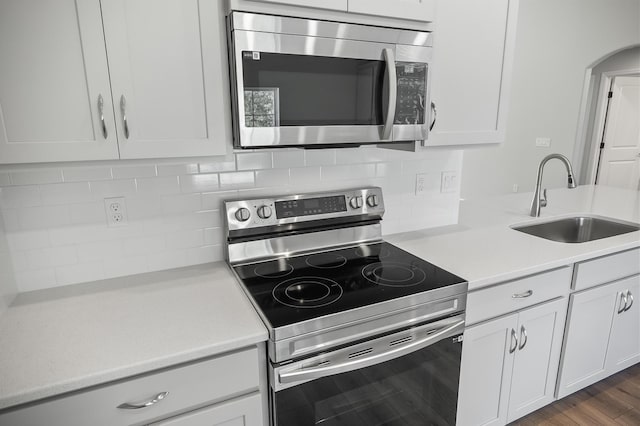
column 578, row 229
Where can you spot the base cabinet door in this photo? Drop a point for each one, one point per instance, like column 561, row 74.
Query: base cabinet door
column 246, row 411
column 624, row 343
column 535, row 367
column 485, row 374
column 473, row 50
column 592, row 314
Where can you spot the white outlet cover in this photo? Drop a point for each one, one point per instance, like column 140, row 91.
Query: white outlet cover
column 546, row 142
column 421, row 183
column 116, row 210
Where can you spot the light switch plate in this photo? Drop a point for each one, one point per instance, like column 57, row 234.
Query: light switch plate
column 448, row 181
column 546, row 142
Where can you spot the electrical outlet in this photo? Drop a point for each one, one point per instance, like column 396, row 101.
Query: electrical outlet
column 515, row 187
column 546, row 142
column 421, row 183
column 116, row 211
column 448, row 182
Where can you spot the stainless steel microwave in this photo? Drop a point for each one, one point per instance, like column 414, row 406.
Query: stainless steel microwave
column 307, row 83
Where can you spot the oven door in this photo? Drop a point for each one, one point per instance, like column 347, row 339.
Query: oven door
column 293, row 90
column 406, row 378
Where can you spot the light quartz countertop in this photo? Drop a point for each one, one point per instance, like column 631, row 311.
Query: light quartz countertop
column 484, row 250
column 60, row 340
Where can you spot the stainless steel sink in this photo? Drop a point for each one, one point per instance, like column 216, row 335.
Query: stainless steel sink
column 578, row 229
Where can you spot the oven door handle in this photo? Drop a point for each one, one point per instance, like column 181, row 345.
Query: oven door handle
column 305, row 374
column 392, row 83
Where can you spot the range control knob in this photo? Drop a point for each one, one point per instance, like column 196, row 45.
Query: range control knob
column 356, row 202
column 264, row 212
column 243, row 214
column 372, row 200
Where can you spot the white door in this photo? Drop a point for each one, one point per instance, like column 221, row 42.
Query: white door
column 624, row 344
column 485, row 373
column 418, row 10
column 536, row 362
column 620, row 162
column 245, row 411
column 167, row 60
column 473, row 49
column 54, row 71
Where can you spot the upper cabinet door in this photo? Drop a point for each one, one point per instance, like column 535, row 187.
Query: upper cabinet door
column 472, row 60
column 53, row 70
column 325, row 4
column 417, row 10
column 169, row 79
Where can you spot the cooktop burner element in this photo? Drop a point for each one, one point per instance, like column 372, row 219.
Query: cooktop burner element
column 276, row 269
column 337, row 280
column 326, row 260
column 307, row 292
column 393, row 274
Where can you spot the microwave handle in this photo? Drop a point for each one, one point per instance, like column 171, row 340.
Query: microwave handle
column 318, row 372
column 392, row 83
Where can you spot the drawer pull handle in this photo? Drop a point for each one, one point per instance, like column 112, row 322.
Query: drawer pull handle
column 523, row 295
column 623, row 303
column 523, row 337
column 514, row 341
column 159, row 397
column 630, row 300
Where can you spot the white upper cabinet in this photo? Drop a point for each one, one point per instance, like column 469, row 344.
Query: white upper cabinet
column 417, row 10
column 53, row 72
column 168, row 76
column 325, row 4
column 471, row 74
column 159, row 65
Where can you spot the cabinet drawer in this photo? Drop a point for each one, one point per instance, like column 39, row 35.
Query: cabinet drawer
column 188, row 387
column 514, row 295
column 607, row 268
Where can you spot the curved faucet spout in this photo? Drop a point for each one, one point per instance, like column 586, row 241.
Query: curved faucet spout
column 539, row 201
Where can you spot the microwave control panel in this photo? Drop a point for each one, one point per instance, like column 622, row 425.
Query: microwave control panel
column 412, row 91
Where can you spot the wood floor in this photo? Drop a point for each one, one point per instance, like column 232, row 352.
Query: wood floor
column 614, row 401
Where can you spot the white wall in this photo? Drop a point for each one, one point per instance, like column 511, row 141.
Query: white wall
column 7, row 283
column 556, row 42
column 56, row 223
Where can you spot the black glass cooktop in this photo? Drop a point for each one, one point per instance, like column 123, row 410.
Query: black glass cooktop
column 295, row 289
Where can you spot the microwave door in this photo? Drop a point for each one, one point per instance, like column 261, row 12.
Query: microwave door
column 295, row 90
column 413, row 112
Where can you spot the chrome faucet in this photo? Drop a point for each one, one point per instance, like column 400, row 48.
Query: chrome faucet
column 542, row 201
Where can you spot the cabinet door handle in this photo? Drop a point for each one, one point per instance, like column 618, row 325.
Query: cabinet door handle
column 435, row 115
column 523, row 337
column 623, row 303
column 630, row 300
column 123, row 109
column 103, row 125
column 129, row 406
column 522, row 295
column 514, row 341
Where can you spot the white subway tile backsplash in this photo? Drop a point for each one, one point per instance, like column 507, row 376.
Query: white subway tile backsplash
column 20, row 196
column 126, row 172
column 254, row 160
column 159, row 185
column 85, row 174
column 286, row 159
column 182, row 203
column 65, row 193
column 237, row 180
column 274, row 177
column 37, row 176
column 199, row 183
column 58, row 235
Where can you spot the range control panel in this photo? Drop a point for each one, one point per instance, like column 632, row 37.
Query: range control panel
column 303, row 207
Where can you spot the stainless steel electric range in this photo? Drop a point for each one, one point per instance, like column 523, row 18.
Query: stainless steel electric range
column 360, row 331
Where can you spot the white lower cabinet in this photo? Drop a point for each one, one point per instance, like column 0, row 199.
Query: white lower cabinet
column 603, row 334
column 509, row 365
column 226, row 386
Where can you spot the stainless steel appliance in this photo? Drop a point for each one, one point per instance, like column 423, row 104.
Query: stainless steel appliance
column 360, row 331
column 307, row 83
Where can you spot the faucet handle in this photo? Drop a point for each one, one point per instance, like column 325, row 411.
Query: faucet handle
column 543, row 199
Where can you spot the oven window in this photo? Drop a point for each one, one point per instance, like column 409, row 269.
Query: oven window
column 417, row 389
column 303, row 90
